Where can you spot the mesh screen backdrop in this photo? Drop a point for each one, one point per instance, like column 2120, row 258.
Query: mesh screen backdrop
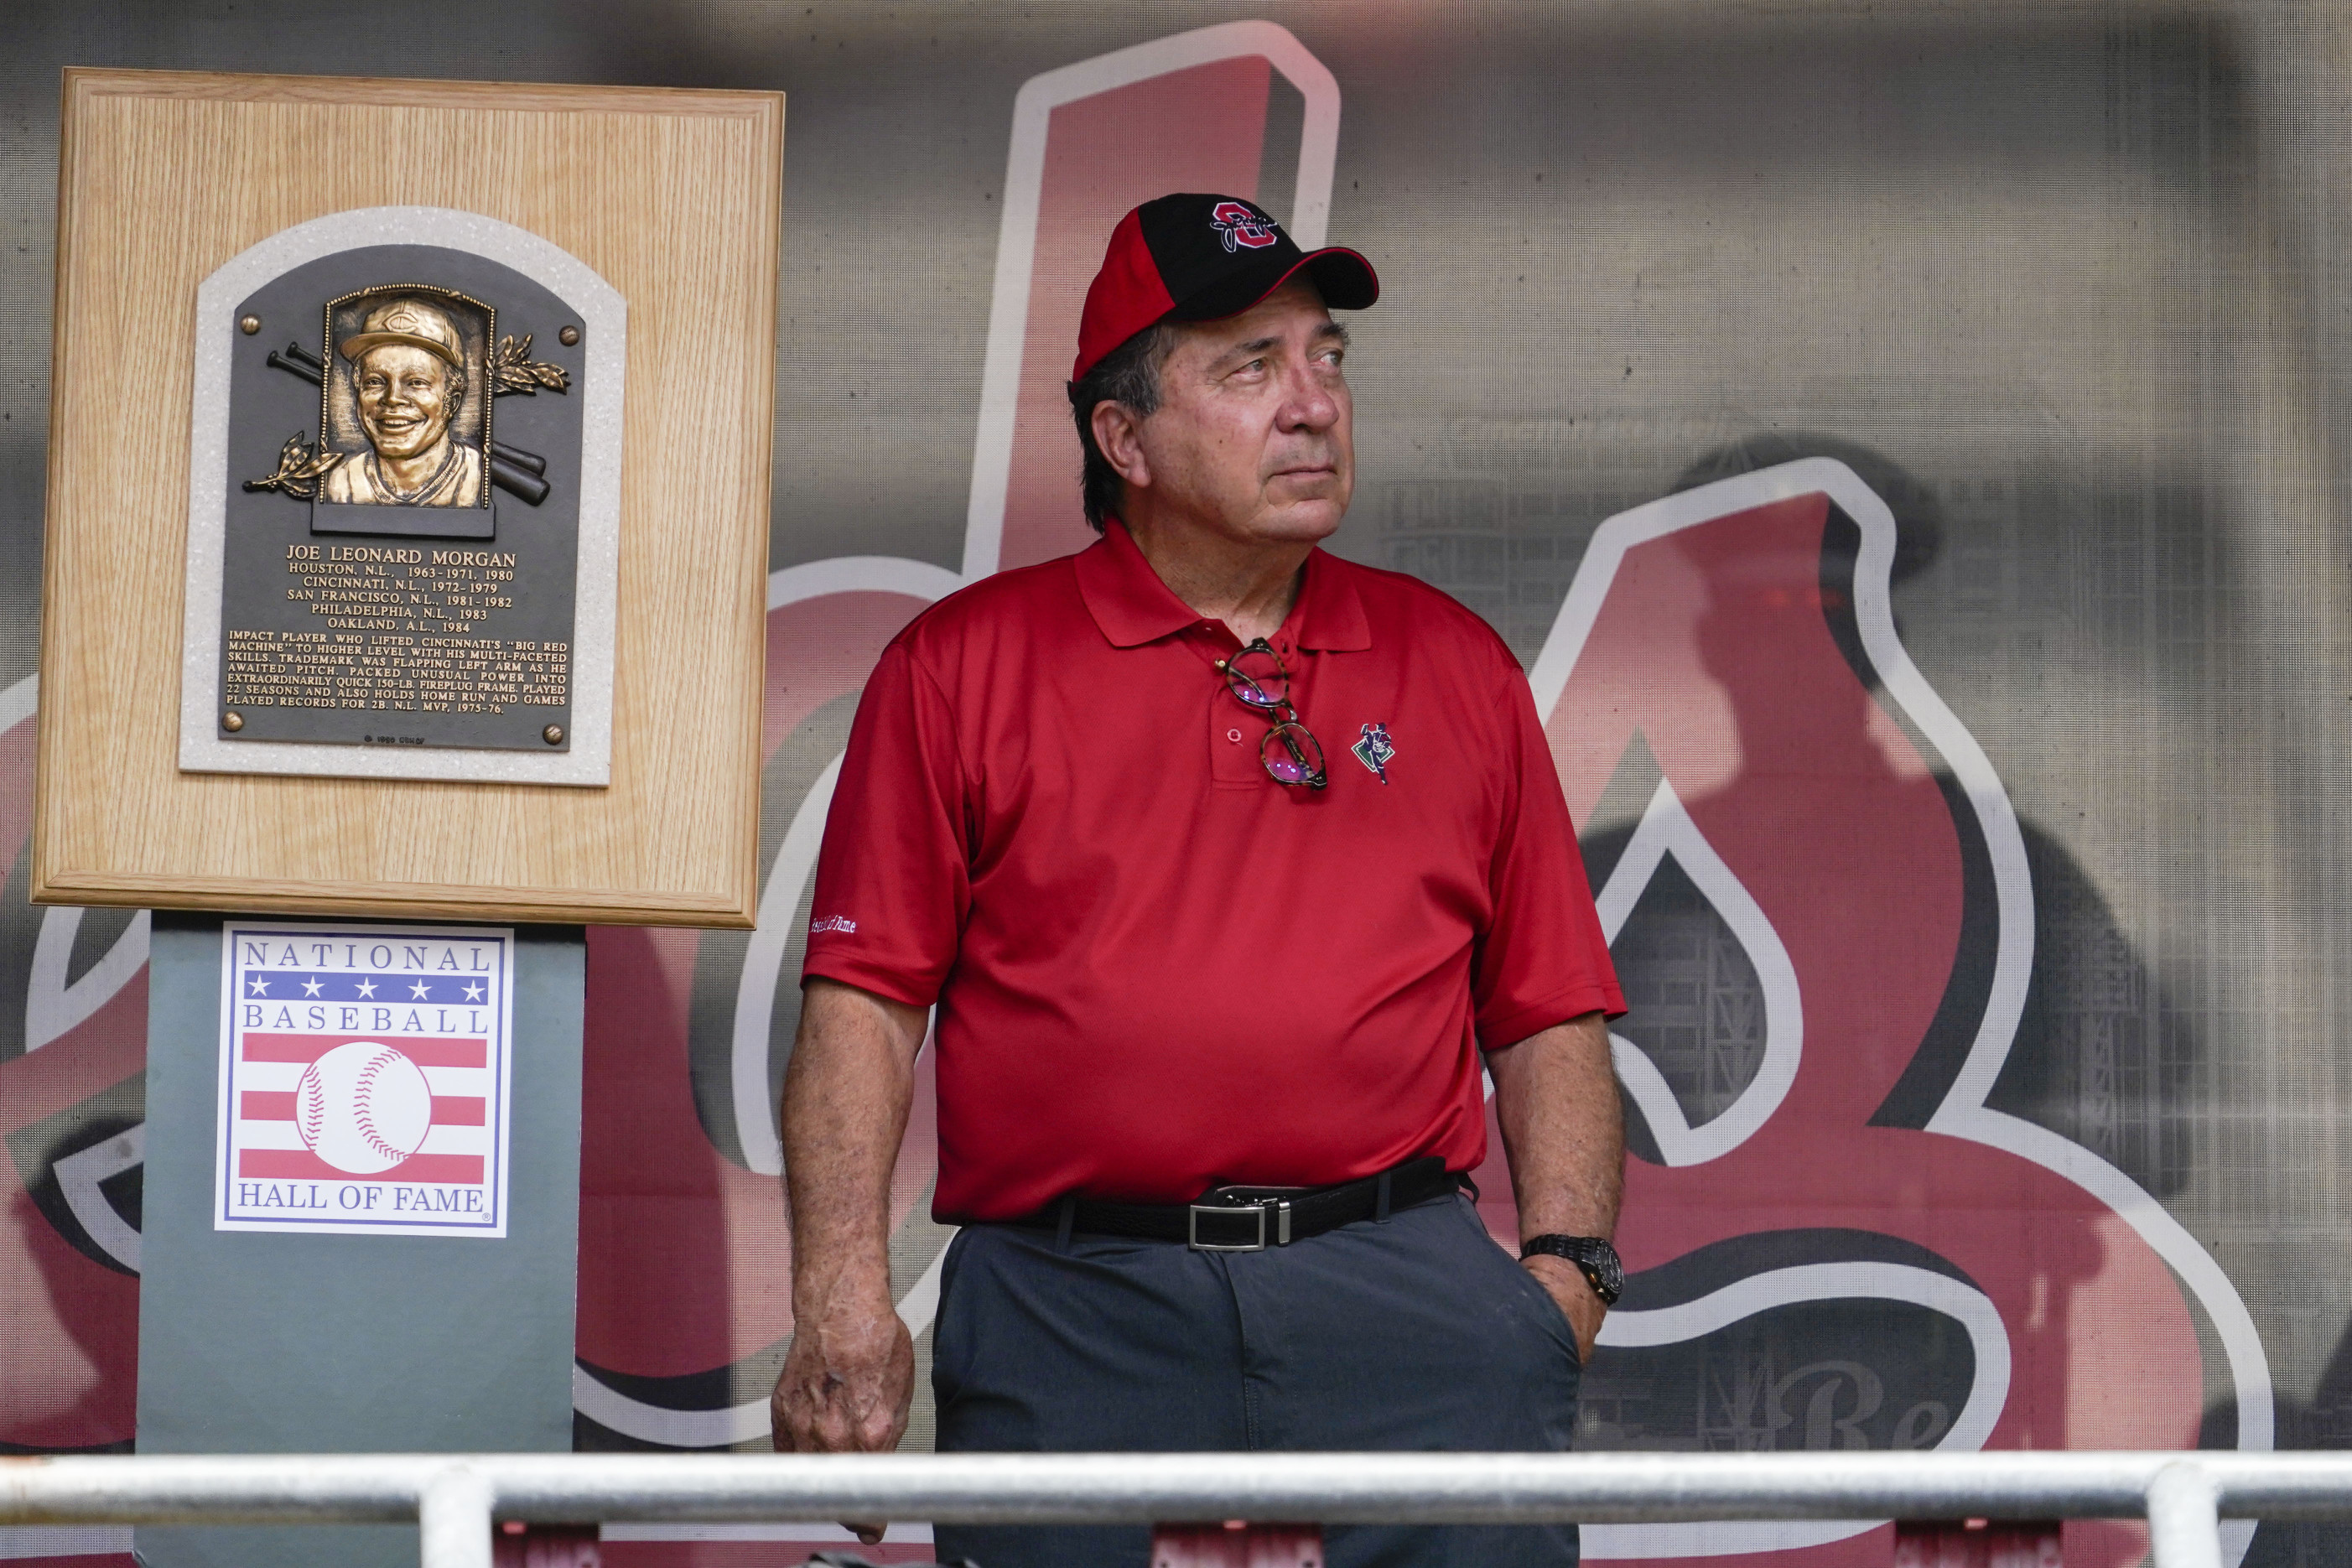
column 1904, row 442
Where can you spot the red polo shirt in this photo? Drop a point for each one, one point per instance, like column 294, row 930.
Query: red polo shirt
column 1157, row 970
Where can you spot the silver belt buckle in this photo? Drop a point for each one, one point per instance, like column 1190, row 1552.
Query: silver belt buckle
column 1280, row 1209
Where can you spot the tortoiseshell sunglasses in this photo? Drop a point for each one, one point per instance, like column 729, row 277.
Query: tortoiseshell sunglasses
column 1291, row 753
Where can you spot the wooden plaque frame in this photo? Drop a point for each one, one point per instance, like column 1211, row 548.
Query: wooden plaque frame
column 673, row 197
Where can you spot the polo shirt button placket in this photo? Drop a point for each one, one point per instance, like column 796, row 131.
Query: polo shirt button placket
column 1233, row 733
column 1232, row 746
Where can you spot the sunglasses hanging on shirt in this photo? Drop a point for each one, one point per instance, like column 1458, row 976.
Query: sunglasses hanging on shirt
column 1290, row 750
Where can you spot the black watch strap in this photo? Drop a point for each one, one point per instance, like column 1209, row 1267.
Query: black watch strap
column 1594, row 1257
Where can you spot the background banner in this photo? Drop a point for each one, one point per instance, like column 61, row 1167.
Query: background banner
column 1904, row 444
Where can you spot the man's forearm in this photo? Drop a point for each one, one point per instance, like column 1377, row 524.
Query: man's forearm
column 1556, row 1103
column 849, row 1375
column 844, row 1113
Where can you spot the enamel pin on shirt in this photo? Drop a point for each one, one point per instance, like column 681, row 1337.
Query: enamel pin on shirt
column 1375, row 750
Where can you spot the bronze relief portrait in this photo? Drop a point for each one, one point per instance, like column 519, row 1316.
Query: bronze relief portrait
column 406, row 374
column 404, row 398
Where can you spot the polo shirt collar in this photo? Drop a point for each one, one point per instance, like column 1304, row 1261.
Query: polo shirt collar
column 1125, row 596
column 1133, row 607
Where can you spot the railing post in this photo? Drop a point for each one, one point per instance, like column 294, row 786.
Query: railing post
column 452, row 1518
column 2184, row 1518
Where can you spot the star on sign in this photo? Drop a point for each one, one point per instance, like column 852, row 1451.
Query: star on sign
column 367, row 987
column 420, row 990
column 311, row 987
column 261, row 987
column 473, row 991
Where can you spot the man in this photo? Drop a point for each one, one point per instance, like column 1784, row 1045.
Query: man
column 1221, row 860
column 408, row 372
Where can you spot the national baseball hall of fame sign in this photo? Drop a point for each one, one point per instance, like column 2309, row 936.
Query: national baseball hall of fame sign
column 402, row 508
column 366, row 1080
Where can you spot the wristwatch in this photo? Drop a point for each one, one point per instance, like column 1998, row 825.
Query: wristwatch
column 1596, row 1259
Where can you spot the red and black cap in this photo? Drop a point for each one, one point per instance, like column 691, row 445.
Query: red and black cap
column 1191, row 258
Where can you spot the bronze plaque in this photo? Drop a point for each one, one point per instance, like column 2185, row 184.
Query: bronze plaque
column 399, row 555
column 404, row 523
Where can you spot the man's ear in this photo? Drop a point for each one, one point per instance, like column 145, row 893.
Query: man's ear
column 1118, row 433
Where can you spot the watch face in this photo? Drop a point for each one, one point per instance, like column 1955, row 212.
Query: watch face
column 1605, row 1263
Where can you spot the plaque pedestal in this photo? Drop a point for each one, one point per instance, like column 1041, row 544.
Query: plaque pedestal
column 323, row 1343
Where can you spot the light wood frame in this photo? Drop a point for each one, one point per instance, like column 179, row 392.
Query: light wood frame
column 675, row 198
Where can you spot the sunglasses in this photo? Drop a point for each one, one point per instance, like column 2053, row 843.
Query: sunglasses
column 1289, row 751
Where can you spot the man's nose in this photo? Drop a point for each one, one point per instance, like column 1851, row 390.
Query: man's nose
column 1308, row 403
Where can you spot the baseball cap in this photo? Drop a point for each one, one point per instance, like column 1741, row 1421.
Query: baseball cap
column 411, row 322
column 1194, row 257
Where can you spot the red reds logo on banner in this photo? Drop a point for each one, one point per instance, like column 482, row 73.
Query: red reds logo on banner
column 1242, row 227
column 1793, row 840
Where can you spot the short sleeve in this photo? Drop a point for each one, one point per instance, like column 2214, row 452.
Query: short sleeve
column 893, row 878
column 1543, row 959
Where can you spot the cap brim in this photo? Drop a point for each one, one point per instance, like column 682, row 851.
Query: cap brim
column 1345, row 280
column 359, row 342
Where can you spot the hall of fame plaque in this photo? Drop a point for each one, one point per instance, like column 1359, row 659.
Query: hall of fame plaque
column 404, row 519
column 339, row 627
column 365, row 1079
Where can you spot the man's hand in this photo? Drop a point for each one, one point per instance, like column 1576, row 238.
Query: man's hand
column 1573, row 1291
column 847, row 1386
column 848, row 1383
column 850, row 1375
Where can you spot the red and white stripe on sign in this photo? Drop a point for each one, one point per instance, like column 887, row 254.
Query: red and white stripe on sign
column 451, row 1110
column 302, row 1165
column 307, row 1049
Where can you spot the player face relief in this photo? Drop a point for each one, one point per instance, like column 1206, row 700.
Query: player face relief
column 404, row 403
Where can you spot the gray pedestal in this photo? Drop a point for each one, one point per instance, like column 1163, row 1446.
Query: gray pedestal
column 291, row 1344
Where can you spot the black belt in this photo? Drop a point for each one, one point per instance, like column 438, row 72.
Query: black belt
column 1251, row 1219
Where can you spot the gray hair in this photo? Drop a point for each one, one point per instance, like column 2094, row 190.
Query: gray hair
column 1127, row 375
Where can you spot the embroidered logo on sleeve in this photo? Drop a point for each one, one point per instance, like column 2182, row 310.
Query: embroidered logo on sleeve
column 832, row 922
column 1375, row 750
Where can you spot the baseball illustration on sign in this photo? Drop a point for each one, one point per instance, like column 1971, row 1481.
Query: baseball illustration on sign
column 364, row 1080
column 363, row 1107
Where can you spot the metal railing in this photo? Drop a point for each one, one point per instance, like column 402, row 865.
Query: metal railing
column 455, row 1498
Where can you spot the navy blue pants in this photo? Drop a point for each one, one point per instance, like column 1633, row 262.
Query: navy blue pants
column 1413, row 1333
